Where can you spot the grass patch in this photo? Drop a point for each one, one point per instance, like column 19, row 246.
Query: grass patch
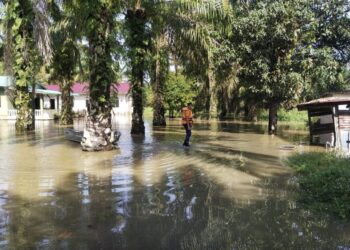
column 324, row 182
column 285, row 115
column 148, row 112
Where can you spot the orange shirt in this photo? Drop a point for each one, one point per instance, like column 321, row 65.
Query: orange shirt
column 187, row 116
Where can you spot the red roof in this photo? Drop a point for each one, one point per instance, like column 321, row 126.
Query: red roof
column 83, row 87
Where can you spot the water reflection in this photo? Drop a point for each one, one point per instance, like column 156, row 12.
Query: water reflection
column 230, row 190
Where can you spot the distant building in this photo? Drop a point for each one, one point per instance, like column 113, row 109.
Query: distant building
column 122, row 102
column 48, row 99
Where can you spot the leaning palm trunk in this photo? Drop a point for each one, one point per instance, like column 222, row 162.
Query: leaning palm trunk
column 137, row 41
column 160, row 71
column 98, row 134
column 67, row 104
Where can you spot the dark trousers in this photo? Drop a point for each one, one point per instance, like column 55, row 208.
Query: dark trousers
column 188, row 133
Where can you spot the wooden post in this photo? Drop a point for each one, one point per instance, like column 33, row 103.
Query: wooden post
column 337, row 135
column 41, row 106
column 310, row 125
column 58, row 103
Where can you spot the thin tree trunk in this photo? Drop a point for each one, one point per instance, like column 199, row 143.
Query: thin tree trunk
column 272, row 127
column 32, row 100
column 213, row 102
column 159, row 77
column 67, row 104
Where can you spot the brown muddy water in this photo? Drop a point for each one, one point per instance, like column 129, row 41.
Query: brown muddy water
column 229, row 190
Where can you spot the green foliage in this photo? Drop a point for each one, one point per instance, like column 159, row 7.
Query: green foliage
column 148, row 96
column 26, row 61
column 179, row 91
column 284, row 115
column 324, row 180
column 267, row 40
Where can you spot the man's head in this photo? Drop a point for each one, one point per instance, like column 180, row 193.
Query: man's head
column 189, row 105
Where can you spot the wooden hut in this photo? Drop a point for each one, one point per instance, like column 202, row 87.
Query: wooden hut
column 329, row 120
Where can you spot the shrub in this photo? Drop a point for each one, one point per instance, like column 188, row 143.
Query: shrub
column 324, row 181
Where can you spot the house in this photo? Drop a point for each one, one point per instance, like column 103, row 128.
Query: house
column 121, row 100
column 46, row 101
column 329, row 120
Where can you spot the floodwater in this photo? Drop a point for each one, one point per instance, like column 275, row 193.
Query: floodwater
column 229, row 190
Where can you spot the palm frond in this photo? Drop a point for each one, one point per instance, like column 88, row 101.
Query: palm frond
column 41, row 29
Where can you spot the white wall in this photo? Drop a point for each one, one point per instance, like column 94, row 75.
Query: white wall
column 125, row 105
column 5, row 106
column 46, row 102
column 79, row 103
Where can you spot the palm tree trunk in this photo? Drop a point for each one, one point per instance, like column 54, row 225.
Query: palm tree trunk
column 98, row 134
column 67, row 104
column 213, row 103
column 22, row 49
column 24, row 114
column 137, row 124
column 159, row 77
column 138, row 44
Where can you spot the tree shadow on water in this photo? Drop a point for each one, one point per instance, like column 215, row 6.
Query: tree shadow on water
column 90, row 212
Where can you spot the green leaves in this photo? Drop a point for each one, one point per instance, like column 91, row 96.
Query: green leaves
column 324, row 182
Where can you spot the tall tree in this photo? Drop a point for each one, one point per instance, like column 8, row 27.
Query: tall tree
column 100, row 22
column 138, row 43
column 27, row 31
column 159, row 67
column 173, row 19
column 65, row 32
column 267, row 39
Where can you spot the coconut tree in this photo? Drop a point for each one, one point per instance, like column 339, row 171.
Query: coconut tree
column 27, row 32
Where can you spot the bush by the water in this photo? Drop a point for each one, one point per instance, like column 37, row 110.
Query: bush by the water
column 324, row 180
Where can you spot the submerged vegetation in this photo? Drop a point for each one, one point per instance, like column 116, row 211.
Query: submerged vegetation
column 324, row 182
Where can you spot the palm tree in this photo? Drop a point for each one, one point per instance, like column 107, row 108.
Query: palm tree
column 65, row 33
column 99, row 29
column 161, row 19
column 29, row 44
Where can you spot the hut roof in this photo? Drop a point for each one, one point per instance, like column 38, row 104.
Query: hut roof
column 332, row 100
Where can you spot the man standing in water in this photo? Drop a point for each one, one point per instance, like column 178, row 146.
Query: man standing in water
column 187, row 122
